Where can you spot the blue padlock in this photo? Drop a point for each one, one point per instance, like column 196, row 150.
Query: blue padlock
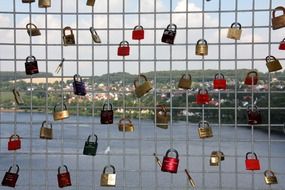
column 78, row 86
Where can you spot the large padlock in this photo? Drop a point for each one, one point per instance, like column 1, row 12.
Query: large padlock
column 90, row 147
column 94, row 35
column 254, row 116
column 142, row 89
column 202, row 97
column 201, row 47
column 282, row 45
column 44, row 3
column 60, row 114
column 252, row 163
column 63, row 178
column 126, row 125
column 170, row 164
column 18, row 98
column 234, row 32
column 169, row 34
column 123, row 49
column 107, row 115
column 251, row 78
column 279, row 21
column 28, row 1
column 162, row 117
column 108, row 179
column 32, row 30
column 90, row 2
column 272, row 64
column 270, row 178
column 46, row 131
column 68, row 38
column 78, row 86
column 185, row 82
column 10, row 178
column 14, row 142
column 204, row 130
column 31, row 65
column 219, row 82
column 138, row 33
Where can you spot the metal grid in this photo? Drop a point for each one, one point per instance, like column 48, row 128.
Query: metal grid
column 132, row 153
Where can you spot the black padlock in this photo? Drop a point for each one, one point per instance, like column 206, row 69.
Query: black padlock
column 90, row 147
column 169, row 34
column 31, row 65
column 78, row 86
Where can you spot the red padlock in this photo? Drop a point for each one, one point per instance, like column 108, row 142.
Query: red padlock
column 252, row 163
column 14, row 142
column 251, row 78
column 202, row 97
column 107, row 115
column 282, row 45
column 63, row 178
column 124, row 49
column 170, row 164
column 220, row 82
column 138, row 33
column 254, row 116
column 10, row 179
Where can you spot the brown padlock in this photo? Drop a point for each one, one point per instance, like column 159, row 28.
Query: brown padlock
column 234, row 32
column 32, row 30
column 68, row 39
column 46, row 130
column 126, row 125
column 270, row 178
column 185, row 82
column 272, row 64
column 44, row 3
column 202, row 47
column 142, row 89
column 108, row 179
column 162, row 118
column 279, row 21
column 205, row 131
column 60, row 114
column 90, row 3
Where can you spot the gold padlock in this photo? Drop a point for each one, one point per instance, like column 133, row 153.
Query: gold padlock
column 90, row 2
column 68, row 39
column 215, row 159
column 185, row 82
column 108, row 179
column 234, row 32
column 60, row 115
column 272, row 64
column 279, row 21
column 204, row 131
column 94, row 35
column 162, row 118
column 125, row 125
column 270, row 178
column 142, row 89
column 32, row 30
column 44, row 3
column 46, row 130
column 202, row 47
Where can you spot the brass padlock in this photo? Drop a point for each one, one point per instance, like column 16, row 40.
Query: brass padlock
column 60, row 115
column 94, row 35
column 185, row 82
column 162, row 118
column 32, row 30
column 270, row 178
column 273, row 64
column 18, row 98
column 44, row 3
column 28, row 1
column 205, row 131
column 142, row 89
column 279, row 21
column 234, row 32
column 202, row 47
column 46, row 130
column 215, row 159
column 68, row 39
column 125, row 125
column 108, row 179
column 90, row 2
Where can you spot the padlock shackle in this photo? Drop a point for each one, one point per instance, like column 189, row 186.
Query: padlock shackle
column 254, row 106
column 94, row 135
column 266, row 172
column 92, row 30
column 137, row 79
column 123, row 119
column 124, row 44
column 236, row 24
column 204, row 123
column 172, row 150
column 252, row 153
column 58, row 170
column 205, row 90
column 270, row 58
column 30, row 58
column 220, row 75
column 280, row 8
column 169, row 27
column 67, row 28
column 109, row 166
column 184, row 76
column 252, row 72
column 45, row 123
column 138, row 27
column 76, row 77
column 14, row 137
column 11, row 167
column 203, row 41
column 54, row 109
column 106, row 104
column 162, row 108
column 29, row 26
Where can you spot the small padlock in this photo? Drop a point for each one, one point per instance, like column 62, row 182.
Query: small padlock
column 32, row 30
column 68, row 39
column 219, row 82
column 44, row 3
column 272, row 64
column 90, row 147
column 138, row 33
column 162, row 118
column 107, row 115
column 252, row 163
column 10, row 178
column 123, row 49
column 28, row 1
column 18, row 98
column 279, row 21
column 90, row 3
column 282, row 45
column 31, row 65
column 234, row 32
column 170, row 164
column 251, row 78
column 202, row 97
column 201, row 47
column 14, row 142
column 215, row 159
column 142, row 89
column 60, row 115
column 169, row 34
column 204, row 131
column 185, row 82
column 78, row 86
column 46, row 130
column 254, row 116
column 126, row 125
column 63, row 178
column 94, row 35
column 270, row 178
column 108, row 179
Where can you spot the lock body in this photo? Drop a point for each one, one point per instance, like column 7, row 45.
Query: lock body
column 201, row 47
column 60, row 114
column 138, row 33
column 252, row 163
column 123, row 49
column 162, row 118
column 90, row 2
column 63, row 178
column 234, row 32
column 125, row 125
column 32, row 30
column 216, row 158
column 278, row 21
column 169, row 34
column 14, row 142
column 204, row 130
column 219, row 82
column 19, row 100
column 108, row 179
column 251, row 78
column 10, row 179
column 78, row 86
column 170, row 164
column 254, row 116
column 273, row 64
column 46, row 131
column 95, row 36
column 143, row 88
column 282, row 45
column 270, row 178
column 202, row 97
column 44, row 3
column 185, row 83
column 31, row 65
column 28, row 1
column 106, row 116
column 68, row 38
column 90, row 148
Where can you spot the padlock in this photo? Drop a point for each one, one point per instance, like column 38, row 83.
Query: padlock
column 282, row 45
column 170, row 164
column 60, row 115
column 142, row 89
column 107, row 115
column 272, row 64
column 123, row 49
column 219, row 82
column 252, row 163
column 254, row 116
column 46, row 130
column 162, row 118
column 10, row 178
column 28, row 1
column 234, row 32
column 126, row 125
column 270, row 178
column 78, row 86
column 14, row 142
column 169, row 34
column 68, row 39
column 202, row 97
column 90, row 147
column 185, row 82
column 279, row 21
column 202, row 47
column 138, row 33
column 31, row 65
column 94, row 35
column 63, row 178
column 44, row 3
column 18, row 98
column 251, row 78
column 204, row 131
column 90, row 3
column 215, row 159
column 32, row 30
column 108, row 179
